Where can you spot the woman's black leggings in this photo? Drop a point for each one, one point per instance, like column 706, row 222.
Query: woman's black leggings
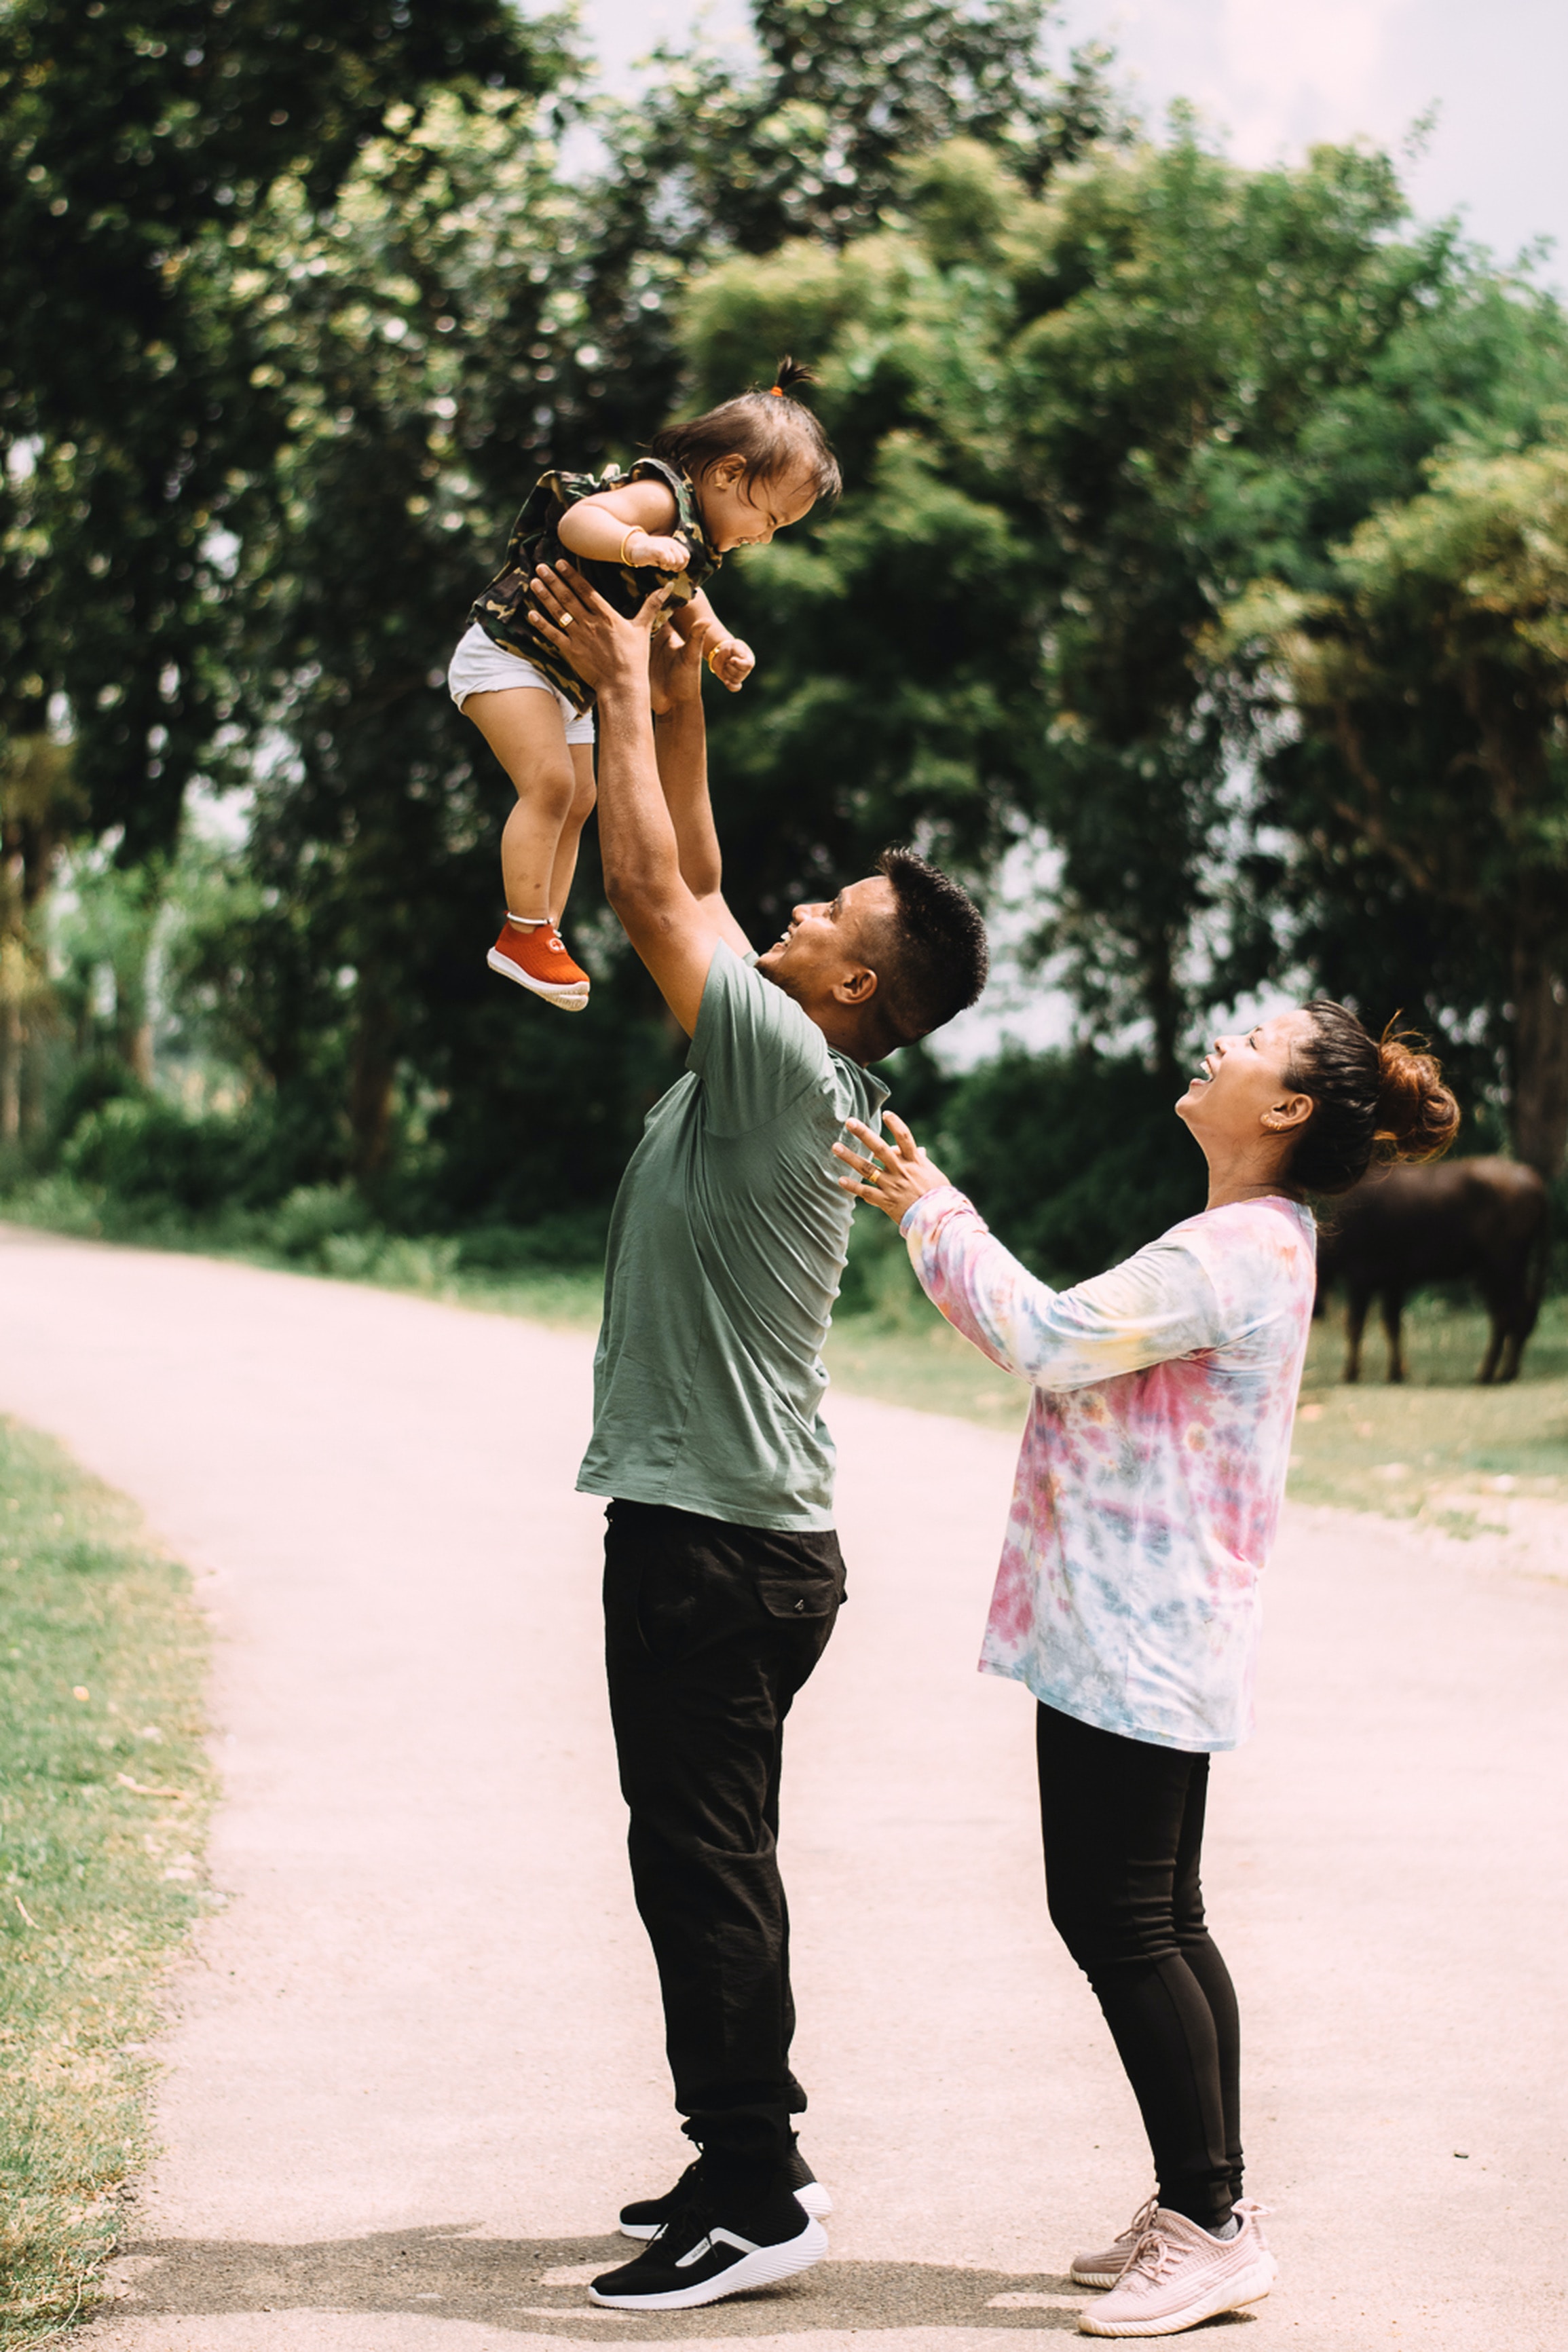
column 1123, row 1825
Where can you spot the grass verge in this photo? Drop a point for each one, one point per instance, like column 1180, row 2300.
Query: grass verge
column 104, row 1789
column 1438, row 1445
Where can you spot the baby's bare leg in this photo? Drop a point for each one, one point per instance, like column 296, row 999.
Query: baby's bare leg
column 524, row 729
column 582, row 799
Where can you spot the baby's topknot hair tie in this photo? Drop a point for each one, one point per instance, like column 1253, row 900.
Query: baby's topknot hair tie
column 790, row 373
column 775, row 442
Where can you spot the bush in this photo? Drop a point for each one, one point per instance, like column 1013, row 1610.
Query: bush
column 139, row 1148
column 1075, row 1159
column 314, row 1216
column 572, row 1238
column 102, row 1078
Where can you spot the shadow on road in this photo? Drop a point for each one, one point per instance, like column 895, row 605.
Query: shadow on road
column 536, row 2288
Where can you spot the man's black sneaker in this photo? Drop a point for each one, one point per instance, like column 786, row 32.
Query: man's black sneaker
column 706, row 2251
column 648, row 2215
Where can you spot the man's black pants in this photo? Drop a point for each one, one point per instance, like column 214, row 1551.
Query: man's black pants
column 710, row 1631
column 1123, row 1824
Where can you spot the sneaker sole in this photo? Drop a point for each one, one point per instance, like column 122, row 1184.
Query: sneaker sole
column 813, row 2200
column 1096, row 2278
column 766, row 2267
column 1252, row 2286
column 570, row 999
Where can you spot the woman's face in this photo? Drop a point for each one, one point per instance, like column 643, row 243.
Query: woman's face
column 1242, row 1097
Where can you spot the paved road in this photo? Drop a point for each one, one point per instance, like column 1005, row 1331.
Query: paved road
column 418, row 2065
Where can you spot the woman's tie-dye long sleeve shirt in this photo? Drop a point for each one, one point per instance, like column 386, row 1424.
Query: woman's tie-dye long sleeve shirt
column 1154, row 1465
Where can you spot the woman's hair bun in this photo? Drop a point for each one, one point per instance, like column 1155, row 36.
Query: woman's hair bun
column 1373, row 1100
column 1417, row 1117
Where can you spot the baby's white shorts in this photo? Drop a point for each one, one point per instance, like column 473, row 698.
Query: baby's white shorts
column 481, row 667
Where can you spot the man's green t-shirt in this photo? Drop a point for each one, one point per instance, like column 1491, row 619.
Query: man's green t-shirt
column 726, row 1247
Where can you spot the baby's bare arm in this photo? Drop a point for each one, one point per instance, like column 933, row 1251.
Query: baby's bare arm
column 629, row 524
column 731, row 661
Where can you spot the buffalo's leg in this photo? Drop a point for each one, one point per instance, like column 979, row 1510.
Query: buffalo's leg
column 1393, row 1305
column 1515, row 1322
column 1357, row 1301
column 1501, row 1313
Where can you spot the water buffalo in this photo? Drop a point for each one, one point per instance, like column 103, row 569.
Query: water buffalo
column 1482, row 1219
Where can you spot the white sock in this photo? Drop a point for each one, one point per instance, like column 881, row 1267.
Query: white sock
column 1226, row 2229
column 528, row 922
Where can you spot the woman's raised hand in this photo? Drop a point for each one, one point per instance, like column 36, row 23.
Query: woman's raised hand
column 889, row 1173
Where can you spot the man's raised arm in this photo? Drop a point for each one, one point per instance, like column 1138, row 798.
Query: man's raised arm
column 680, row 743
column 673, row 927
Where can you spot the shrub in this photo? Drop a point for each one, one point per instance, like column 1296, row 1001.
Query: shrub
column 312, row 1216
column 102, row 1078
column 572, row 1237
column 1075, row 1159
column 142, row 1150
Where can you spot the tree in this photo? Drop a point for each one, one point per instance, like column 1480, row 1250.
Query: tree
column 1430, row 685
column 40, row 808
column 136, row 136
column 816, row 140
column 1074, row 426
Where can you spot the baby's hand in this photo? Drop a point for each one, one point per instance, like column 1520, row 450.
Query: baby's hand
column 732, row 662
column 646, row 554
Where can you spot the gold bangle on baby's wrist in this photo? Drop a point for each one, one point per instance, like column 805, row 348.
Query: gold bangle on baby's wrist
column 713, row 653
column 634, row 532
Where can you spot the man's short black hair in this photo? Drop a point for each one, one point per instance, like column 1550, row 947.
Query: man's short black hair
column 933, row 959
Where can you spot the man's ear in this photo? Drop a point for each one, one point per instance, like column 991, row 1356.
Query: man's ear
column 859, row 985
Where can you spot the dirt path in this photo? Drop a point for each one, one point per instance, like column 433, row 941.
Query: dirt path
column 418, row 2065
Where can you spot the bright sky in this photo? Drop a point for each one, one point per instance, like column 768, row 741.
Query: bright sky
column 1274, row 76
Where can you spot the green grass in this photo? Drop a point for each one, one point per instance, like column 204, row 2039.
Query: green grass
column 102, row 1656
column 1439, row 1444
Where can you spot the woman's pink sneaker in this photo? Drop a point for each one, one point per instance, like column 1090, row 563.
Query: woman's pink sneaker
column 1180, row 2276
column 1104, row 2269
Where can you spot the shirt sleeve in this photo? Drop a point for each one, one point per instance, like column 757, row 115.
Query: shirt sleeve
column 754, row 1050
column 1156, row 1305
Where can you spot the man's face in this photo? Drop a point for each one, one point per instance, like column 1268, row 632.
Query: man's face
column 826, row 939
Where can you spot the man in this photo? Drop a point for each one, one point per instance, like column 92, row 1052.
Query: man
column 722, row 1574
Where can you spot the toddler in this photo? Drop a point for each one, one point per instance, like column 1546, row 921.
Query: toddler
column 729, row 478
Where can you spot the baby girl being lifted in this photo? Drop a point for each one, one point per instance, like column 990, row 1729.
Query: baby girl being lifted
column 729, row 478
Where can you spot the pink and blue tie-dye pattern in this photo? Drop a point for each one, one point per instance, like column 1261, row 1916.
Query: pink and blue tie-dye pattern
column 1154, row 1465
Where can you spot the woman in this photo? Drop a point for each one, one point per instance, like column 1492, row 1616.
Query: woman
column 1145, row 1503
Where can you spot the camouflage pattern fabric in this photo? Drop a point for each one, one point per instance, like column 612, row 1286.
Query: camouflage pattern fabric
column 503, row 610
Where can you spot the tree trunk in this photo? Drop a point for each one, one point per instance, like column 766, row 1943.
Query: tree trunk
column 1540, row 1058
column 370, row 1080
column 13, row 1043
